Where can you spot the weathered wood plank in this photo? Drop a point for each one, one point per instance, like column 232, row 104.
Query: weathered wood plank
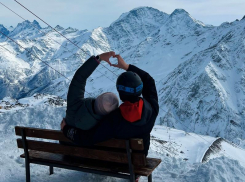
column 136, row 144
column 42, row 133
column 151, row 163
column 138, row 159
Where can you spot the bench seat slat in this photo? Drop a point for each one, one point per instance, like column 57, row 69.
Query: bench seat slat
column 120, row 157
column 135, row 144
column 151, row 163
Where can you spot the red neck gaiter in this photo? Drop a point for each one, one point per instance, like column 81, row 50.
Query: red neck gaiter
column 132, row 111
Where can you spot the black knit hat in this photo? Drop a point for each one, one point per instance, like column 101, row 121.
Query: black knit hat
column 129, row 84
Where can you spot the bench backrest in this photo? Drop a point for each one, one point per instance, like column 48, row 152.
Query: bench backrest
column 113, row 150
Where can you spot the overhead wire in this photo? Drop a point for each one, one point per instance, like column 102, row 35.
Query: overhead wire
column 82, row 50
column 8, row 50
column 87, row 54
column 60, row 33
column 14, row 54
column 38, row 58
column 47, row 35
column 44, row 32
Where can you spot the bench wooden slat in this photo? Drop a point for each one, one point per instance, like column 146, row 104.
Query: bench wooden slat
column 42, row 133
column 135, row 144
column 151, row 163
column 137, row 158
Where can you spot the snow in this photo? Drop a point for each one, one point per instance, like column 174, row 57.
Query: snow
column 181, row 154
column 184, row 145
column 199, row 74
column 232, row 152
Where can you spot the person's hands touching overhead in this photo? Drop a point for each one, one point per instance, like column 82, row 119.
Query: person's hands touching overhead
column 106, row 56
column 121, row 63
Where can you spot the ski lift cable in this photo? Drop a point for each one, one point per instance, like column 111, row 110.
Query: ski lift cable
column 49, row 65
column 60, row 34
column 39, row 59
column 15, row 54
column 48, row 36
column 8, row 50
column 32, row 54
column 12, row 52
column 54, row 69
column 77, row 47
column 51, row 27
column 55, row 30
column 46, row 64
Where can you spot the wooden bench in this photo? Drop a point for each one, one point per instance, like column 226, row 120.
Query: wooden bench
column 117, row 158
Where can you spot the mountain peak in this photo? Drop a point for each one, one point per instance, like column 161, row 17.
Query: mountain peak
column 27, row 24
column 143, row 12
column 11, row 28
column 70, row 30
column 140, row 7
column 185, row 17
column 36, row 24
column 135, row 25
column 4, row 30
column 179, row 11
column 134, row 12
column 58, row 27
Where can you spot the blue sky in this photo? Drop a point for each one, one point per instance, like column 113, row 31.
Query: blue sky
column 90, row 14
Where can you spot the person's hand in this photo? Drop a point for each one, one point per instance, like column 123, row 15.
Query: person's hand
column 121, row 63
column 106, row 56
column 62, row 124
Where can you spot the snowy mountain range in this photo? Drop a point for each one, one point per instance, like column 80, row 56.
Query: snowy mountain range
column 199, row 69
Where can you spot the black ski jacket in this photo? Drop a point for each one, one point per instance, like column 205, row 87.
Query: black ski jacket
column 80, row 113
column 115, row 126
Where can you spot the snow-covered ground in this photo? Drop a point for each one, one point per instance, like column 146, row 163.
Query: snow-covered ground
column 181, row 152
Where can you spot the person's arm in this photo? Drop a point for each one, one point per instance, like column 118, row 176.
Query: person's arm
column 78, row 83
column 149, row 91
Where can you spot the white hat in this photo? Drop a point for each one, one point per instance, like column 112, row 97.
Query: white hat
column 106, row 103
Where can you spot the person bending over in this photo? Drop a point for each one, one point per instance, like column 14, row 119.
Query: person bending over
column 134, row 118
column 85, row 113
